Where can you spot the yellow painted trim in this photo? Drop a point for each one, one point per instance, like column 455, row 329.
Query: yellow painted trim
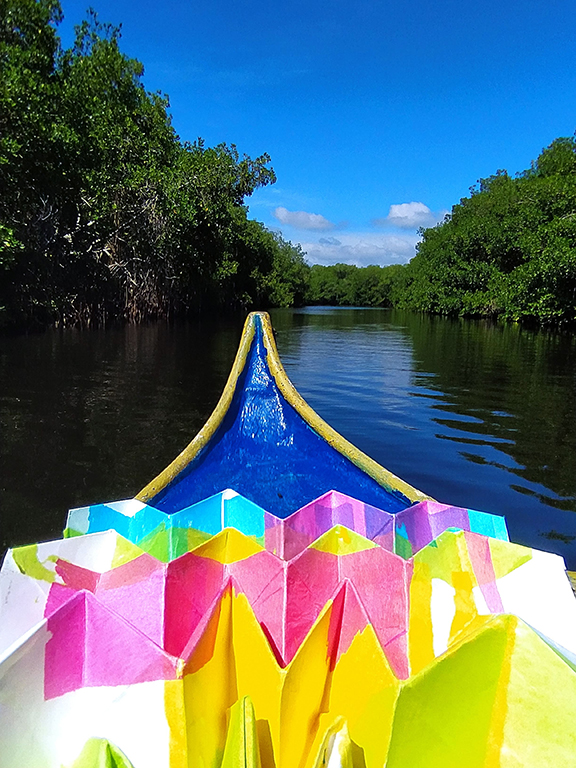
column 572, row 579
column 203, row 437
column 382, row 476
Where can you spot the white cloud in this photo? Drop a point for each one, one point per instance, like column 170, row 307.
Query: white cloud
column 361, row 249
column 410, row 216
column 302, row 219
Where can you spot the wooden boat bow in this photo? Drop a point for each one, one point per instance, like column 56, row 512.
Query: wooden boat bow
column 259, row 395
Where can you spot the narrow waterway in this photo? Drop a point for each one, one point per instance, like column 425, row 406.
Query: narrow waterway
column 474, row 414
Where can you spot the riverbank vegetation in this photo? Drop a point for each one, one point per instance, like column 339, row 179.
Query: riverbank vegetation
column 345, row 284
column 104, row 212
column 508, row 250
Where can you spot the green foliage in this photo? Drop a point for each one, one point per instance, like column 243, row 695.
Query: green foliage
column 508, row 250
column 348, row 285
column 104, row 213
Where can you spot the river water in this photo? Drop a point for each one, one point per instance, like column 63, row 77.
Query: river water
column 474, row 414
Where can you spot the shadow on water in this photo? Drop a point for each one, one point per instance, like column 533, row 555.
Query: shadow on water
column 94, row 415
column 472, row 413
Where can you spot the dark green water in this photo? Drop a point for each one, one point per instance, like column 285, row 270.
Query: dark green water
column 473, row 414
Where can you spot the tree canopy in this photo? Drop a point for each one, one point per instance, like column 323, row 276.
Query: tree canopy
column 104, row 212
column 348, row 285
column 508, row 250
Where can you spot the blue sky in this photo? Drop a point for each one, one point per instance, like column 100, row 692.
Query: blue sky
column 378, row 116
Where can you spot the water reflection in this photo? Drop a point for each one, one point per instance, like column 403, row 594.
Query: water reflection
column 520, row 387
column 473, row 414
column 94, row 415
